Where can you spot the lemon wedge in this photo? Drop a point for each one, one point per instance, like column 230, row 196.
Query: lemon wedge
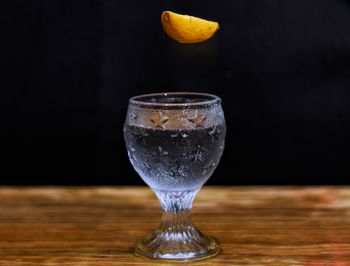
column 187, row 29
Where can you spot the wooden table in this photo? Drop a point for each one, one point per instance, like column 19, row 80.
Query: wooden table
column 99, row 226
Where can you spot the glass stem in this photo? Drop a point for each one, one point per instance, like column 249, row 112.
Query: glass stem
column 176, row 201
column 176, row 212
column 176, row 237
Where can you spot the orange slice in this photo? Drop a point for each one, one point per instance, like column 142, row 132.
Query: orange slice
column 187, row 29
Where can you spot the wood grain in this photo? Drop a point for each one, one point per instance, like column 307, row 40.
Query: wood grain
column 99, row 226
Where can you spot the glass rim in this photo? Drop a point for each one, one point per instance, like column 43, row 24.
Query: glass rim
column 211, row 99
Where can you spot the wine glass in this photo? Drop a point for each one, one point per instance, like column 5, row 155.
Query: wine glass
column 174, row 142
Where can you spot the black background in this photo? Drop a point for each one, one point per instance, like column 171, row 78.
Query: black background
column 282, row 68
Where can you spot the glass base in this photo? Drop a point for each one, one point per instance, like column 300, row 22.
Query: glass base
column 177, row 238
column 186, row 245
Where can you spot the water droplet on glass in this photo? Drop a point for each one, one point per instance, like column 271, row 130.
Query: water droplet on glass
column 212, row 130
column 198, row 154
column 133, row 116
column 162, row 152
column 214, row 133
column 147, row 166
